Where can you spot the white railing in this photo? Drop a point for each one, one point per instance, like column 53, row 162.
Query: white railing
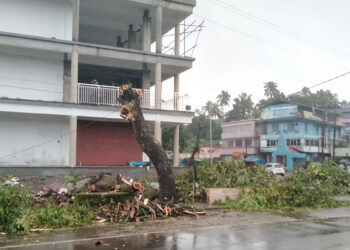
column 109, row 95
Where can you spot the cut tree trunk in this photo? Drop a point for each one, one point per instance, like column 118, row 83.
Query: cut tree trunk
column 132, row 112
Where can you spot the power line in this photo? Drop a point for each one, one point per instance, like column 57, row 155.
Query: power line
column 19, row 87
column 278, row 28
column 55, row 138
column 262, row 40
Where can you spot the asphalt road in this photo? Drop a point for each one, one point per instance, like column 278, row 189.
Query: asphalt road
column 231, row 231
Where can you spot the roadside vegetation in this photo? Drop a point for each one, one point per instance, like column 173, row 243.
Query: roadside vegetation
column 313, row 187
column 19, row 214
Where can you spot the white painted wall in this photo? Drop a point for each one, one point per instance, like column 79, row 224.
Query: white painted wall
column 25, row 76
column 45, row 18
column 33, row 140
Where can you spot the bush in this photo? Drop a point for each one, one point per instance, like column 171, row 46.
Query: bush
column 313, row 187
column 51, row 216
column 14, row 201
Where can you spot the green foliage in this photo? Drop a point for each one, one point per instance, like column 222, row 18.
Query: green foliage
column 13, row 201
column 71, row 179
column 52, row 216
column 313, row 187
column 242, row 108
column 224, row 175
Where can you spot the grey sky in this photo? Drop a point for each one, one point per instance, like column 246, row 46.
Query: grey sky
column 231, row 61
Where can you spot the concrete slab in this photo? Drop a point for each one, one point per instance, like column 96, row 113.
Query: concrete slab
column 220, row 194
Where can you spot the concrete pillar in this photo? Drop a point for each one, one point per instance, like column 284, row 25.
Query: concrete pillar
column 146, row 32
column 74, row 77
column 159, row 25
column 76, row 17
column 146, row 77
column 158, row 100
column 119, row 42
column 131, row 37
column 177, row 40
column 176, row 146
column 73, row 141
column 73, row 99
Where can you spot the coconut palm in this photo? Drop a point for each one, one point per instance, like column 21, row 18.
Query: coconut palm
column 223, row 99
column 271, row 90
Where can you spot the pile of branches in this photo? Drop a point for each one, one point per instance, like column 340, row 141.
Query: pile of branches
column 141, row 209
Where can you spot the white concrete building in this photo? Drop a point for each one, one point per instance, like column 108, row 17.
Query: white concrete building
column 50, row 53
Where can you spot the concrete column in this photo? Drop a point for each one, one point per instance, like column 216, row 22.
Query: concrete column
column 158, row 86
column 131, row 37
column 146, row 32
column 176, row 146
column 73, row 99
column 73, row 141
column 74, row 77
column 158, row 100
column 76, row 17
column 146, row 77
column 159, row 25
column 177, row 40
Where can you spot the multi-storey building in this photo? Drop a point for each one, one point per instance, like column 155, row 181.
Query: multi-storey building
column 61, row 65
column 296, row 134
column 241, row 138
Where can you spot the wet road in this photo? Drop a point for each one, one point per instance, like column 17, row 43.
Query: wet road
column 273, row 233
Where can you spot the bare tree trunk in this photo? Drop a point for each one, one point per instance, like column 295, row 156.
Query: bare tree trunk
column 132, row 112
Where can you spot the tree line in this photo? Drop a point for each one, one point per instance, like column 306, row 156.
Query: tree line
column 242, row 107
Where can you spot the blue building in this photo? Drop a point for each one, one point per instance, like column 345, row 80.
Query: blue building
column 297, row 134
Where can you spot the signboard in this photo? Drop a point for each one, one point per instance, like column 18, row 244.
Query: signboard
column 279, row 111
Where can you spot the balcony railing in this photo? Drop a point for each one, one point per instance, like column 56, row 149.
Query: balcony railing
column 109, row 96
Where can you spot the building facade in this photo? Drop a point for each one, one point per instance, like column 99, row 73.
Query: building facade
column 61, row 66
column 241, row 139
column 297, row 134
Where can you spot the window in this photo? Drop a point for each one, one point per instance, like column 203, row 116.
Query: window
column 273, row 143
column 275, row 128
column 288, row 142
column 290, row 127
column 307, row 142
column 239, row 143
column 317, row 143
column 298, row 142
column 248, row 142
column 268, row 143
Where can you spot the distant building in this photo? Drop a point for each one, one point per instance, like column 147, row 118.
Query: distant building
column 240, row 139
column 297, row 134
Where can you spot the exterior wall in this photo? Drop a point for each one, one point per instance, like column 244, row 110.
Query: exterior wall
column 241, row 136
column 106, row 144
column 27, row 77
column 45, row 18
column 33, row 140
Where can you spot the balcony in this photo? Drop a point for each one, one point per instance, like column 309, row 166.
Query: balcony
column 105, row 95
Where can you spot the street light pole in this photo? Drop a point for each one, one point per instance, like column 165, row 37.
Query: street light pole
column 211, row 140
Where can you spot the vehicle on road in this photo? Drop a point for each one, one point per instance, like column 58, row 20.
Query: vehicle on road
column 275, row 168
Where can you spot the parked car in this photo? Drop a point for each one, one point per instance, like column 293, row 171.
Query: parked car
column 275, row 168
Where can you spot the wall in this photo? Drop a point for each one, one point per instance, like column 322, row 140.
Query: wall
column 23, row 75
column 106, row 144
column 45, row 18
column 40, row 134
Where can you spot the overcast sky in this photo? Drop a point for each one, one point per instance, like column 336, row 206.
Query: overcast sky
column 226, row 59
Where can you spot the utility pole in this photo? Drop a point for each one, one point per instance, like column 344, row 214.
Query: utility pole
column 334, row 133
column 211, row 140
column 322, row 140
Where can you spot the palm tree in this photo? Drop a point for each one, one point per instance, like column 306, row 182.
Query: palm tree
column 212, row 109
column 271, row 90
column 223, row 99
